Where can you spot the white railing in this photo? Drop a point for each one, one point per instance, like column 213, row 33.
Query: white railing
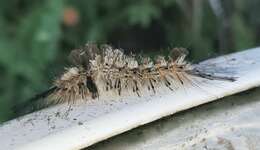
column 64, row 128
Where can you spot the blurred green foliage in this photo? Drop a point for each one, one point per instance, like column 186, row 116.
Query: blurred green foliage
column 36, row 36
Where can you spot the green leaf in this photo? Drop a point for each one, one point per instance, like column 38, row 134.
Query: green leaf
column 142, row 13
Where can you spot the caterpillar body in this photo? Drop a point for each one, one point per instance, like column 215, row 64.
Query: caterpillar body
column 103, row 68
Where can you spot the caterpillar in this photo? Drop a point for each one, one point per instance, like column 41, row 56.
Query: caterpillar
column 99, row 68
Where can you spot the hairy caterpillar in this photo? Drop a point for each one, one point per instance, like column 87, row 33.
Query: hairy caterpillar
column 102, row 68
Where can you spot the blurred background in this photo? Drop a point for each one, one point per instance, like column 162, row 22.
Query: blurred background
column 36, row 36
